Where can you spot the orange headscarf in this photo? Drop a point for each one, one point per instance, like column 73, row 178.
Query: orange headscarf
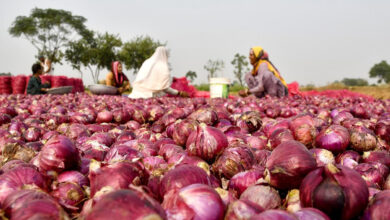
column 262, row 57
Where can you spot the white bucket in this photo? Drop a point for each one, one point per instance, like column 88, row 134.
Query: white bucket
column 219, row 87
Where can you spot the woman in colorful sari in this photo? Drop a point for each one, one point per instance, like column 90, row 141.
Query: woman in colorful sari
column 117, row 78
column 264, row 79
column 154, row 78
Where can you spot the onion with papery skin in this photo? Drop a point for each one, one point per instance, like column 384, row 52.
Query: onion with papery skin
column 340, row 192
column 242, row 210
column 69, row 195
column 292, row 201
column 42, row 209
column 372, row 174
column 196, row 201
column 58, row 154
column 249, row 122
column 382, row 129
column 241, row 181
column 257, row 142
column 322, row 156
column 226, row 196
column 32, row 134
column 206, row 116
column 264, row 196
column 73, row 177
column 288, row 164
column 154, row 162
column 206, row 142
column 335, row 138
column 104, row 117
column 348, row 158
column 122, row 153
column 382, row 157
column 310, row 214
column 169, row 150
column 182, row 176
column 274, row 214
column 279, row 136
column 378, row 207
column 234, row 160
column 363, row 139
column 125, row 204
column 181, row 131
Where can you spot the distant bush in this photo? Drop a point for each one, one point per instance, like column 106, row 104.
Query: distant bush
column 354, row 82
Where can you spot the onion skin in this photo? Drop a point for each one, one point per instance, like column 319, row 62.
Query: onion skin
column 182, row 130
column 242, row 210
column 372, row 174
column 264, row 196
column 304, row 130
column 281, row 173
column 279, row 136
column 274, row 214
column 363, row 139
column 125, row 204
column 379, row 207
column 104, row 117
column 335, row 138
column 339, row 191
column 241, row 181
column 40, row 209
column 382, row 157
column 206, row 142
column 322, row 156
column 310, row 214
column 73, row 177
column 196, row 201
column 69, row 194
column 249, row 122
column 207, row 116
column 382, row 129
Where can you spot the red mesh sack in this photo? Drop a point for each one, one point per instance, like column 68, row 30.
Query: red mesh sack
column 5, row 85
column 18, row 84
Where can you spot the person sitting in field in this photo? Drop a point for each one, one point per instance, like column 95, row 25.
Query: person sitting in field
column 117, row 78
column 264, row 79
column 154, row 78
column 35, row 86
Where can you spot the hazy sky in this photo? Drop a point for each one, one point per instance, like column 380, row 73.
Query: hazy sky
column 309, row 41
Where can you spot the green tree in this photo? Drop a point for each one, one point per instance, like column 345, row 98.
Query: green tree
column 50, row 30
column 94, row 53
column 5, row 74
column 382, row 71
column 241, row 66
column 213, row 66
column 191, row 75
column 354, row 82
column 136, row 51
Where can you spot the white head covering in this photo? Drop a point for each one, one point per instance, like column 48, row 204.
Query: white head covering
column 153, row 76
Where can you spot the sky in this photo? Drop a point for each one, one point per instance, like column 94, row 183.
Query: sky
column 309, row 41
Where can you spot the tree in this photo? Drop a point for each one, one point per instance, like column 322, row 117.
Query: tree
column 192, row 75
column 136, row 51
column 354, row 82
column 95, row 53
column 241, row 66
column 50, row 30
column 382, row 71
column 213, row 66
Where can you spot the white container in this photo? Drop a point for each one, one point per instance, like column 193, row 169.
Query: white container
column 219, row 87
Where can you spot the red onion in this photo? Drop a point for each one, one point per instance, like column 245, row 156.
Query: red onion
column 310, row 214
column 334, row 138
column 348, row 158
column 264, row 196
column 132, row 125
column 288, row 165
column 234, row 160
column 182, row 130
column 102, row 138
column 242, row 209
column 77, row 130
column 155, row 112
column 122, row 153
column 58, row 154
column 377, row 156
column 206, row 116
column 20, row 177
column 261, row 156
column 154, row 162
column 183, row 158
column 126, row 204
column 304, row 129
column 322, row 156
column 378, row 207
column 372, row 175
column 120, row 116
column 362, row 139
column 15, row 163
column 339, row 192
column 104, row 116
column 241, row 181
column 274, row 214
column 39, row 209
column 292, row 200
column 257, row 142
column 32, row 134
column 341, row 117
column 169, row 150
column 382, row 129
column 73, row 177
column 69, row 194
column 279, row 136
column 206, row 142
column 114, row 176
column 4, row 119
column 386, row 185
column 159, row 143
column 196, row 201
column 145, row 147
column 182, row 176
column 249, row 122
column 271, row 126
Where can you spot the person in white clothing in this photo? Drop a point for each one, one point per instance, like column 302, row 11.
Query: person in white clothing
column 154, row 78
column 46, row 65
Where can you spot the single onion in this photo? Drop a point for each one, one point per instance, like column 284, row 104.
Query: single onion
column 104, row 116
column 264, row 196
column 310, row 214
column 288, row 164
column 242, row 209
column 340, row 192
column 382, row 129
column 32, row 134
column 234, row 160
column 206, row 116
column 378, row 207
column 241, row 181
column 73, row 177
column 274, row 214
column 362, row 139
column 257, row 142
column 226, row 196
column 348, row 158
column 43, row 209
column 372, row 175
column 335, row 138
column 169, row 150
column 249, row 122
column 261, row 156
column 126, row 204
column 196, row 201
column 382, row 157
column 122, row 153
column 154, row 162
column 120, row 116
column 181, row 131
column 206, row 142
column 304, row 130
column 322, row 156
column 279, row 136
column 69, row 194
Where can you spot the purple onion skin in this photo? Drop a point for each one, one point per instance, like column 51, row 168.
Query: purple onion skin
column 382, row 129
column 206, row 142
column 125, row 204
column 19, row 178
column 279, row 136
column 73, row 177
column 42, row 209
column 304, row 130
column 288, row 164
column 69, row 194
column 242, row 209
column 207, row 116
column 348, row 158
column 182, row 130
column 363, row 139
column 196, row 201
column 311, row 214
column 182, row 176
column 234, row 160
column 382, row 157
column 335, row 138
column 241, row 181
column 379, row 207
column 322, row 156
column 274, row 215
column 372, row 174
column 340, row 192
column 264, row 196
